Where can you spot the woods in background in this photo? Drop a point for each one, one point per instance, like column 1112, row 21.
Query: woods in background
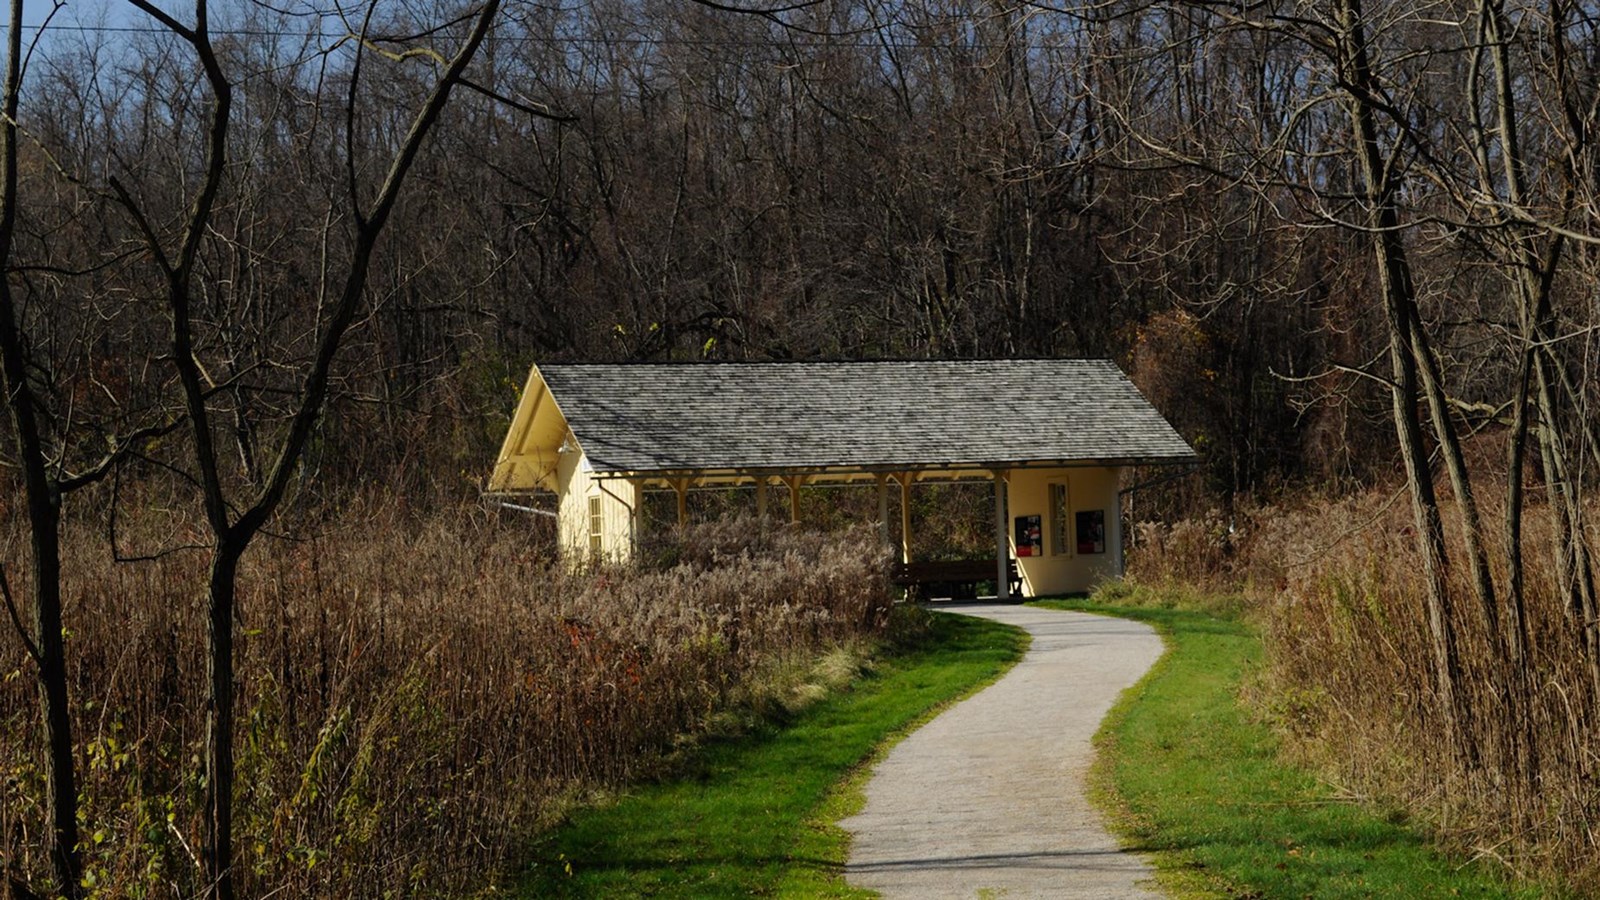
column 670, row 181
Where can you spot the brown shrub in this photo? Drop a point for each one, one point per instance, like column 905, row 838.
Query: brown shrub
column 417, row 691
column 1335, row 586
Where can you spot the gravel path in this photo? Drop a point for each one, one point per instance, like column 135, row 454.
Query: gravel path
column 987, row 800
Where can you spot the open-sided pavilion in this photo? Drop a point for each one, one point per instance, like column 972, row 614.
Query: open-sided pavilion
column 1052, row 435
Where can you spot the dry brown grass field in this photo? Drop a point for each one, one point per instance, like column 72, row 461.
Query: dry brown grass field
column 1336, row 589
column 420, row 688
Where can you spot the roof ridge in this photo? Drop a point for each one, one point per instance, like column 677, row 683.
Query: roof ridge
column 686, row 363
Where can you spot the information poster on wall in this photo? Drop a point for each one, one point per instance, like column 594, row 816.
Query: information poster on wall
column 1030, row 536
column 1092, row 531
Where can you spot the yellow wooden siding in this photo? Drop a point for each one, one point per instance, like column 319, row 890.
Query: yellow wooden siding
column 1028, row 494
column 580, row 492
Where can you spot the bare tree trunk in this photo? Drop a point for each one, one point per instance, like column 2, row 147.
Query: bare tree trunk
column 1444, row 430
column 1534, row 274
column 1399, row 300
column 47, row 645
column 233, row 535
column 219, row 715
column 1520, row 688
column 1574, row 567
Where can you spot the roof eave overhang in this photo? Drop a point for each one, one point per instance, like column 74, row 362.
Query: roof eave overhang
column 984, row 469
column 517, row 471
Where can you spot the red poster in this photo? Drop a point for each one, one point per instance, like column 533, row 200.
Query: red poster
column 1029, row 537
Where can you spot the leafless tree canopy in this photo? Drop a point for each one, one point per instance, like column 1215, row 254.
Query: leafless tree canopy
column 672, row 181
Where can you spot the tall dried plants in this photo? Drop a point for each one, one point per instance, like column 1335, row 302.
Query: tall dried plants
column 237, row 516
column 408, row 720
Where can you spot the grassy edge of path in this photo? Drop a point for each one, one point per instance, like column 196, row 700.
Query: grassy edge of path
column 756, row 815
column 1188, row 776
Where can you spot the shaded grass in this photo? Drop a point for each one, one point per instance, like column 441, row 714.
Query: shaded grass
column 753, row 815
column 1189, row 775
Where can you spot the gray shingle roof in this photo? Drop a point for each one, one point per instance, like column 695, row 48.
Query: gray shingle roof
column 816, row 415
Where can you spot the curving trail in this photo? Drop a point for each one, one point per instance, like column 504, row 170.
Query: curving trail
column 988, row 799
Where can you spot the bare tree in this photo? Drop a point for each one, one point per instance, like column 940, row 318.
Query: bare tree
column 58, row 452
column 46, row 646
column 235, row 521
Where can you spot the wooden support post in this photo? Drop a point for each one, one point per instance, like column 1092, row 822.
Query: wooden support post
column 635, row 517
column 794, row 482
column 883, row 507
column 905, row 517
column 1114, row 527
column 1002, row 579
column 682, row 487
column 761, row 497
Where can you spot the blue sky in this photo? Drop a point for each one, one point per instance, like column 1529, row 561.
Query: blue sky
column 76, row 14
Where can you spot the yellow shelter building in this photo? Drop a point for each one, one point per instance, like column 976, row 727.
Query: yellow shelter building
column 1052, row 435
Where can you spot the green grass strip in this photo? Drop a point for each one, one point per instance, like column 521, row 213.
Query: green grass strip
column 754, row 815
column 1189, row 775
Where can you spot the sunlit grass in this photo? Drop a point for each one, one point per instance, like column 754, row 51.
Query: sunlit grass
column 1192, row 777
column 753, row 815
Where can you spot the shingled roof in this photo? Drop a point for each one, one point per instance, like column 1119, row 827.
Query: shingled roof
column 643, row 419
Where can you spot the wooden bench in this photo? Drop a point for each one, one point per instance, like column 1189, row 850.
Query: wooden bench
column 958, row 577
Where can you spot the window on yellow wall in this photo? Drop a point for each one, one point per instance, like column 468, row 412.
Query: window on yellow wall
column 1060, row 539
column 597, row 525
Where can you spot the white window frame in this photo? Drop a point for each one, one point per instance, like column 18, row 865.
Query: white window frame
column 597, row 525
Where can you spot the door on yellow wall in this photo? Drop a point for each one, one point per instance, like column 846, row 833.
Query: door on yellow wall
column 1060, row 537
column 1091, row 531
